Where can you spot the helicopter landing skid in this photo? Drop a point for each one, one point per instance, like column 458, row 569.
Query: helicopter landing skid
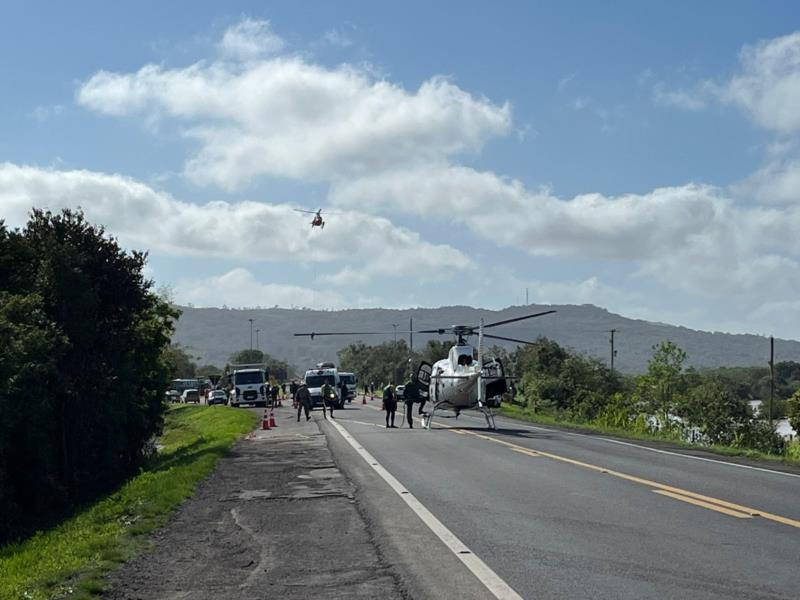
column 427, row 419
column 489, row 414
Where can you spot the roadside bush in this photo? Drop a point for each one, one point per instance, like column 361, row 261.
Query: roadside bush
column 82, row 374
column 793, row 411
column 760, row 436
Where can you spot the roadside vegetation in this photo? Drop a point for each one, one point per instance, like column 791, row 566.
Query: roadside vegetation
column 83, row 368
column 73, row 558
column 709, row 408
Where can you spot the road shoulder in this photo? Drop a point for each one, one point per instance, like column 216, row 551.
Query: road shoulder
column 276, row 518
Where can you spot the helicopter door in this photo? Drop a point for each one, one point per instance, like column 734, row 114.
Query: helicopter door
column 424, row 373
column 494, row 387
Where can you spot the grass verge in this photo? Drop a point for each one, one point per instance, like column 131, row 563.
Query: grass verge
column 523, row 414
column 73, row 558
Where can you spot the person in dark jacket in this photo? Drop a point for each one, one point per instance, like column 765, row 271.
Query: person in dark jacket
column 389, row 405
column 303, row 398
column 410, row 396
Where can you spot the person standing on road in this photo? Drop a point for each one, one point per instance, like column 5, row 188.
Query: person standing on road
column 273, row 392
column 344, row 393
column 409, row 397
column 389, row 405
column 328, row 398
column 302, row 398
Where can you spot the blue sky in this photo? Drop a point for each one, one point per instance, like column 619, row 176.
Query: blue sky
column 638, row 156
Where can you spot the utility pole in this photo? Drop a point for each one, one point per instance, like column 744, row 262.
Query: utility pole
column 258, row 347
column 395, row 332
column 251, row 333
column 771, row 375
column 613, row 352
column 410, row 334
column 526, row 296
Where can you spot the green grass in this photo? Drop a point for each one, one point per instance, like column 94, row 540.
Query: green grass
column 73, row 558
column 523, row 414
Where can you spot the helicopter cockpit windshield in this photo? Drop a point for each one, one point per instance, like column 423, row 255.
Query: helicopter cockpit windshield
column 461, row 356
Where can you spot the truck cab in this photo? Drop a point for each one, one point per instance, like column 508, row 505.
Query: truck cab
column 248, row 385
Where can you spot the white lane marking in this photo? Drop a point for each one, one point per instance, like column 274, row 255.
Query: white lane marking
column 498, row 588
column 658, row 450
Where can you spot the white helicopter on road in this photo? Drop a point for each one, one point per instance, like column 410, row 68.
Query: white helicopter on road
column 465, row 379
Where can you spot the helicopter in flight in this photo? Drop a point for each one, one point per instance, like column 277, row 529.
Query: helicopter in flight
column 466, row 379
column 317, row 221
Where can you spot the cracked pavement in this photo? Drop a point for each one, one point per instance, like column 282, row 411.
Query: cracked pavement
column 276, row 519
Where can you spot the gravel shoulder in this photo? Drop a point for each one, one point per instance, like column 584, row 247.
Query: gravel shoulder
column 276, row 519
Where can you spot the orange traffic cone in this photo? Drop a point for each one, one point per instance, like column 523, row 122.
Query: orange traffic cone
column 272, row 420
column 265, row 422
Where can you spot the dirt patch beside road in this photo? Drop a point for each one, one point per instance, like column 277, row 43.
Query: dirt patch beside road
column 276, row 519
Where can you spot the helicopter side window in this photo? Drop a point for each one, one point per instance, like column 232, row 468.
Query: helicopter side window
column 464, row 359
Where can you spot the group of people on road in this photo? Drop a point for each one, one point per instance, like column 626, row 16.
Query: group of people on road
column 304, row 403
column 390, row 405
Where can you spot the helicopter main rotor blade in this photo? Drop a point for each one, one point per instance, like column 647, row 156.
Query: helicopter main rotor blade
column 440, row 331
column 311, row 212
column 315, row 333
column 508, row 339
column 515, row 319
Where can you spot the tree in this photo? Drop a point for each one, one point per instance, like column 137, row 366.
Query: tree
column 663, row 388
column 716, row 411
column 434, row 350
column 793, row 411
column 245, row 357
column 181, row 365
column 381, row 364
column 83, row 339
column 207, row 370
column 277, row 369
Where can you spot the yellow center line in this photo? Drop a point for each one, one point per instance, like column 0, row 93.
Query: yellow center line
column 708, row 505
column 661, row 487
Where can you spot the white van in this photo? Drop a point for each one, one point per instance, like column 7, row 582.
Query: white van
column 316, row 378
column 350, row 380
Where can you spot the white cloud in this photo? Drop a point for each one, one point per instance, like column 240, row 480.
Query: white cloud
column 336, row 37
column 690, row 237
column 777, row 182
column 44, row 113
column 687, row 100
column 239, row 288
column 249, row 40
column 768, row 86
column 252, row 231
column 286, row 117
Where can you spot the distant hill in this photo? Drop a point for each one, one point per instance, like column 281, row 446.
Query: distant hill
column 213, row 334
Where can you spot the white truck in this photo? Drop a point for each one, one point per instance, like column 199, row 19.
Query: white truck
column 350, row 380
column 248, row 384
column 316, row 378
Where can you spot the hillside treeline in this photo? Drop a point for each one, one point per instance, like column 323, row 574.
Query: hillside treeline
column 669, row 400
column 82, row 366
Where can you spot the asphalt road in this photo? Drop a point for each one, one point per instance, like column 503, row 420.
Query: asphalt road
column 563, row 515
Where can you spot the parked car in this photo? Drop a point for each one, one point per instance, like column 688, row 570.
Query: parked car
column 400, row 392
column 190, row 396
column 172, row 396
column 217, row 397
